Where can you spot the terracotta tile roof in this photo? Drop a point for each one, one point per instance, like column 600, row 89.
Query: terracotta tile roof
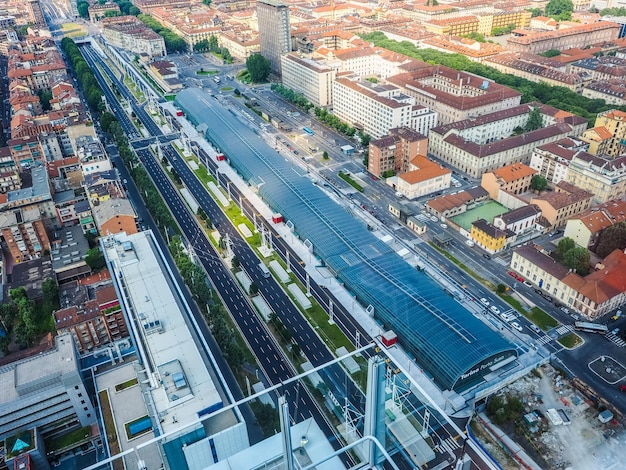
column 514, row 172
column 427, row 170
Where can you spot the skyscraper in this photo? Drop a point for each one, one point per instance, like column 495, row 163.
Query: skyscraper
column 274, row 33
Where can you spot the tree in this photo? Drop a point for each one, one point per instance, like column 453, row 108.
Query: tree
column 577, row 259
column 45, row 96
column 551, row 53
column 202, row 45
column 325, row 155
column 535, row 120
column 538, row 183
column 535, row 12
column 226, row 57
column 565, row 245
column 501, row 288
column 560, row 10
column 207, row 2
column 259, row 67
column 610, row 239
column 213, row 44
column 95, row 259
column 83, row 9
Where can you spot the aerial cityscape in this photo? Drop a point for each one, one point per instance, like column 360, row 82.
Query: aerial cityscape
column 330, row 234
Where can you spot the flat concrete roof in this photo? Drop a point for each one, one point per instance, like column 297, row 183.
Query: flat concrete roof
column 166, row 345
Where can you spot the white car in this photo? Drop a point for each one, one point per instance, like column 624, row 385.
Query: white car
column 527, row 283
column 495, row 309
column 433, row 219
column 485, row 302
column 469, row 243
column 517, row 326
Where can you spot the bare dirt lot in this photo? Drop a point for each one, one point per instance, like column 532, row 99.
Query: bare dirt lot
column 583, row 443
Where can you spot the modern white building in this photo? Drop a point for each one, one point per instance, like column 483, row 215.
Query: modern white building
column 176, row 383
column 44, row 390
column 311, row 78
column 376, row 108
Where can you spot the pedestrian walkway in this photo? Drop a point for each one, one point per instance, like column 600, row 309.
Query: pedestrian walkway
column 501, row 261
column 565, row 329
column 545, row 339
column 616, row 339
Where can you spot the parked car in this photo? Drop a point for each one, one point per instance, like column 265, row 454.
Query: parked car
column 495, row 309
column 485, row 302
column 469, row 243
column 622, row 388
column 512, row 274
column 536, row 329
column 517, row 326
column 486, row 256
column 528, row 283
column 565, row 310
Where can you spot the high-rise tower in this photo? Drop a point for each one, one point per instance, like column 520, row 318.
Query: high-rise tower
column 274, row 33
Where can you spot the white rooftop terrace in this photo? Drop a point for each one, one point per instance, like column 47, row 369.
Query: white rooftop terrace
column 165, row 342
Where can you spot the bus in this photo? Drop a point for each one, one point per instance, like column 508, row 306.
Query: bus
column 308, row 131
column 264, row 270
column 591, row 327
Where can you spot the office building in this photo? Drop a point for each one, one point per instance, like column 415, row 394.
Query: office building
column 44, row 390
column 274, row 32
column 376, row 108
column 311, row 78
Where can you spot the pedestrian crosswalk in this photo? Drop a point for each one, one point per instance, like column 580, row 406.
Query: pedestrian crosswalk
column 545, row 339
column 565, row 329
column 615, row 339
column 447, row 446
column 501, row 261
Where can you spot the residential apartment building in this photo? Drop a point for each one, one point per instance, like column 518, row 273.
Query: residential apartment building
column 614, row 121
column 394, row 151
column 552, row 160
column 274, row 31
column 127, row 32
column 44, row 390
column 92, row 322
column 538, row 69
column 564, row 202
column 97, row 11
column 600, row 68
column 575, row 36
column 514, row 179
column 26, row 151
column 489, row 237
column 591, row 296
column 453, row 94
column 476, row 146
column 115, row 215
column 598, row 139
column 309, row 77
column 376, row 108
column 459, row 26
column 423, row 177
column 612, row 91
column 585, row 228
column 604, row 177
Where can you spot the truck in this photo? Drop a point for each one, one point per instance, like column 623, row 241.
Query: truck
column 264, row 270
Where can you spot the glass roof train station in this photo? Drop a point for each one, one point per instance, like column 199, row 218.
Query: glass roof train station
column 456, row 348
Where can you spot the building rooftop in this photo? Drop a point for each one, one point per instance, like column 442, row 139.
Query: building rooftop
column 491, row 230
column 26, row 376
column 38, row 192
column 157, row 311
column 447, row 339
column 514, row 172
column 519, row 214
